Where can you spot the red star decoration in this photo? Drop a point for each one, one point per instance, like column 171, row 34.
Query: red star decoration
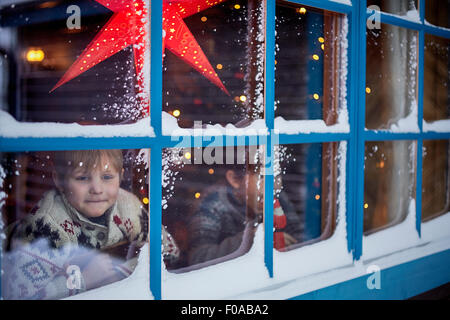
column 128, row 26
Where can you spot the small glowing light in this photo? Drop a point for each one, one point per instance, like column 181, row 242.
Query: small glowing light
column 316, row 96
column 301, row 10
column 211, row 171
column 237, row 6
column 219, row 66
column 197, row 195
column 321, row 40
column 368, row 90
column 381, row 165
column 317, row 197
column 187, row 155
column 204, row 19
column 145, row 200
column 276, row 62
column 176, row 113
column 366, row 206
column 35, row 55
column 316, row 57
column 243, row 98
column 322, row 46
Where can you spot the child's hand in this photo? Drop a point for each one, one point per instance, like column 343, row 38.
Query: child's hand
column 99, row 271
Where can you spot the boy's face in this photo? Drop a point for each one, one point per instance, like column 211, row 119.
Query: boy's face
column 92, row 192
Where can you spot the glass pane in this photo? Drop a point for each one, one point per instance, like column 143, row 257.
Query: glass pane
column 400, row 7
column 436, row 79
column 309, row 47
column 75, row 220
column 213, row 61
column 391, row 76
column 305, row 195
column 435, row 178
column 74, row 61
column 437, row 12
column 389, row 183
column 212, row 203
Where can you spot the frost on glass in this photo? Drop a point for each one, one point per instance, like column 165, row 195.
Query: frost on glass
column 436, row 79
column 389, row 183
column 43, row 43
column 73, row 220
column 435, row 178
column 226, row 84
column 305, row 201
column 212, row 203
column 309, row 47
column 391, row 76
column 437, row 12
column 400, row 7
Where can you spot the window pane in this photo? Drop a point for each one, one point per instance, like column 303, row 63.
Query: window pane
column 400, row 7
column 212, row 203
column 214, row 73
column 436, row 79
column 45, row 45
column 305, row 195
column 391, row 76
column 309, row 45
column 437, row 12
column 435, row 178
column 389, row 183
column 75, row 220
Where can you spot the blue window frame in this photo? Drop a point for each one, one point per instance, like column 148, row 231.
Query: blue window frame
column 357, row 14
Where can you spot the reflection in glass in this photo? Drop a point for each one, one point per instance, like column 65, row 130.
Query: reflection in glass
column 231, row 36
column 75, row 220
column 212, row 203
column 40, row 45
column 389, row 183
column 400, row 7
column 435, row 178
column 436, row 79
column 391, row 76
column 305, row 194
column 309, row 45
column 437, row 12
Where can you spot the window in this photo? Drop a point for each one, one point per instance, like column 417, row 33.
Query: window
column 258, row 135
column 75, row 220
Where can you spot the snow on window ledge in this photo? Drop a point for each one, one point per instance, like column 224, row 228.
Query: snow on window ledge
column 393, row 239
column 11, row 128
column 170, row 128
column 309, row 126
column 408, row 124
column 437, row 126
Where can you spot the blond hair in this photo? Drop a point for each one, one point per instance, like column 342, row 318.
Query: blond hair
column 65, row 162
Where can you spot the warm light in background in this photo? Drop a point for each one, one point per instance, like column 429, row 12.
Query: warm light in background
column 301, row 10
column 323, row 47
column 187, row 155
column 197, row 195
column 321, row 40
column 176, row 113
column 211, row 171
column 316, row 96
column 204, row 19
column 368, row 90
column 317, row 197
column 219, row 66
column 237, row 6
column 145, row 200
column 366, row 206
column 316, row 57
column 243, row 98
column 35, row 55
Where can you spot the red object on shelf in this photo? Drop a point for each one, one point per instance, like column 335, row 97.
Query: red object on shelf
column 279, row 222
